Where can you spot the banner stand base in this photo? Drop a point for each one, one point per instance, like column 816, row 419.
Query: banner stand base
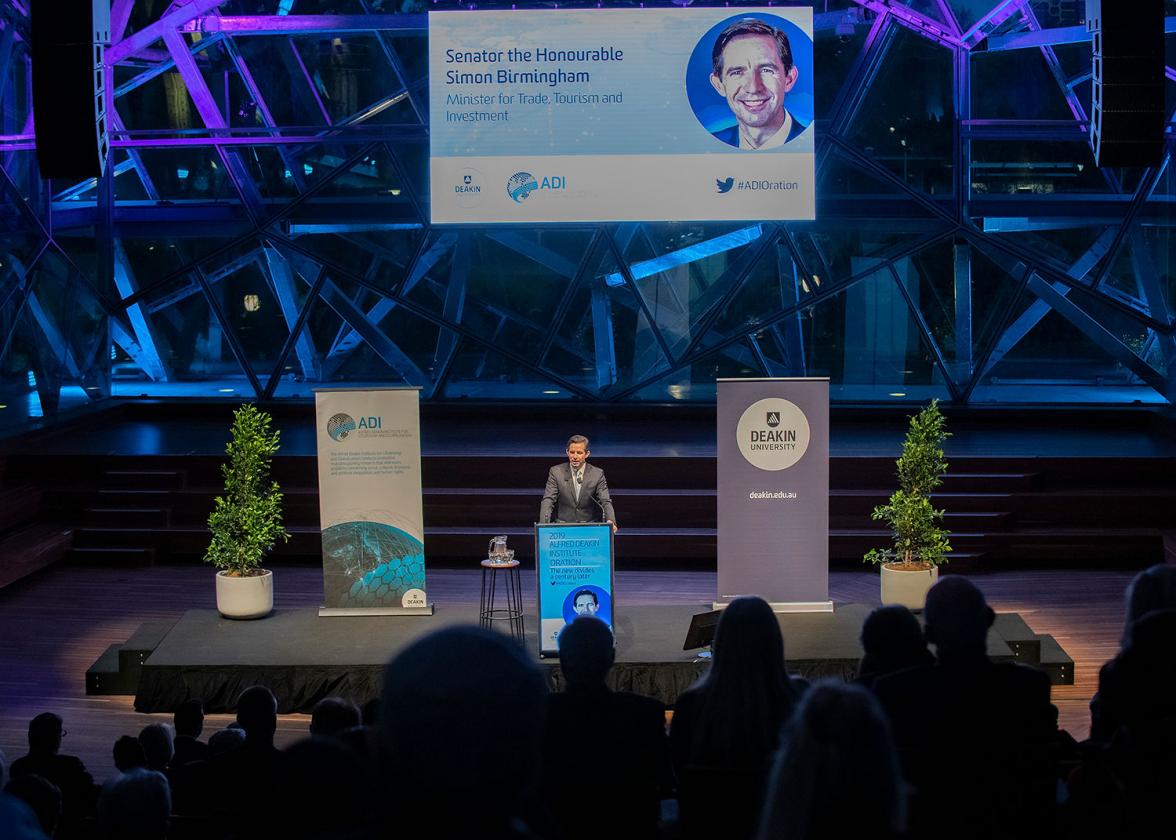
column 789, row 606
column 335, row 612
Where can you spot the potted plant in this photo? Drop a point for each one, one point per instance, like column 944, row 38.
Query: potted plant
column 911, row 566
column 247, row 520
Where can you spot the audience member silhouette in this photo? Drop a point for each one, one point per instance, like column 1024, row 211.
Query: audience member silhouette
column 325, row 790
column 156, row 739
column 66, row 772
column 135, row 806
column 974, row 736
column 464, row 753
column 333, row 715
column 128, row 754
column 600, row 745
column 836, row 773
column 189, row 723
column 726, row 727
column 1129, row 766
column 42, row 797
column 225, row 740
column 17, row 820
column 891, row 640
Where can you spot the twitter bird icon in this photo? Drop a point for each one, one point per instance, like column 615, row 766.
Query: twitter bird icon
column 724, row 185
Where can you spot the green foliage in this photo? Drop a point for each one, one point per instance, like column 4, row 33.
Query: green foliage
column 247, row 520
column 914, row 523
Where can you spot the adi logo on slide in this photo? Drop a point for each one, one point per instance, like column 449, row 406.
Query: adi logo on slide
column 520, row 185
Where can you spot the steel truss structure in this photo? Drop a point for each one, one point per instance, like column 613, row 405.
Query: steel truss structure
column 263, row 227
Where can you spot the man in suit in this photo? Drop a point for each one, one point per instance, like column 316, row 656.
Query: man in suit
column 577, row 491
column 753, row 70
column 602, row 747
column 975, row 736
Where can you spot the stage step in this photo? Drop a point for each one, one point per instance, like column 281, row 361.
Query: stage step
column 113, row 556
column 1056, row 662
column 30, row 548
column 144, row 479
column 127, row 517
column 104, row 677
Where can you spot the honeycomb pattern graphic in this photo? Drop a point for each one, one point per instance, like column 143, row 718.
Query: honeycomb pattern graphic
column 370, row 564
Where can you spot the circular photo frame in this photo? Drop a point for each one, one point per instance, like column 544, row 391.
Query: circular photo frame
column 714, row 109
column 587, row 600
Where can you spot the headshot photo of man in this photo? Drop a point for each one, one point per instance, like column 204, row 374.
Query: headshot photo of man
column 753, row 70
column 585, row 603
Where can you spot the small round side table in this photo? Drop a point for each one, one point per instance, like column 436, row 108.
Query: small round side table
column 490, row 610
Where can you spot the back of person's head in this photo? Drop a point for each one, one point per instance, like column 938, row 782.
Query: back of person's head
column 891, row 640
column 129, row 754
column 45, row 731
column 135, row 806
column 325, row 789
column 189, row 718
column 158, row 746
column 42, row 796
column 257, row 712
column 957, row 618
column 1152, row 589
column 467, row 707
column 225, row 740
column 837, row 773
column 332, row 715
column 746, row 695
column 371, row 712
column 586, row 652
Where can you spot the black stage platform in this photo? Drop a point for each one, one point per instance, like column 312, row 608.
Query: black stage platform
column 304, row 658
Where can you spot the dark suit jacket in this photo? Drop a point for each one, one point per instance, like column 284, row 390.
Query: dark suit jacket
column 730, row 135
column 605, row 749
column 975, row 739
column 560, row 496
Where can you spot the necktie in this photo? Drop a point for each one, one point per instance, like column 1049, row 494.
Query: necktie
column 578, row 480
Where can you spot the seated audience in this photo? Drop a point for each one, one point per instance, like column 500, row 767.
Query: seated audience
column 325, row 790
column 464, row 752
column 189, row 723
column 727, row 726
column 225, row 740
column 836, row 774
column 128, row 754
column 891, row 640
column 156, row 739
column 333, row 715
column 1122, row 680
column 974, row 736
column 66, row 772
column 135, row 806
column 600, row 745
column 42, row 797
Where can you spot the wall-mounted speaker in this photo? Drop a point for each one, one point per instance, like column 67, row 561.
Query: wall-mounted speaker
column 1127, row 111
column 69, row 86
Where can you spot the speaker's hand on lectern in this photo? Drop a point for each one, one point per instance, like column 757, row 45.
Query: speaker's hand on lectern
column 613, row 524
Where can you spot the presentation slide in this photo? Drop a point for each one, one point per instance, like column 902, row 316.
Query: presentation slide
column 574, row 567
column 621, row 115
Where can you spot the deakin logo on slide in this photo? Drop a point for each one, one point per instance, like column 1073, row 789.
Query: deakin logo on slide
column 773, row 419
column 724, row 185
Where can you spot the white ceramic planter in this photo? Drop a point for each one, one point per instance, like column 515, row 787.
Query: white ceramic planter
column 907, row 586
column 245, row 597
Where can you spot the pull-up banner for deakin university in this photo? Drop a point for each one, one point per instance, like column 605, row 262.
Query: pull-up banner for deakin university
column 369, row 465
column 773, row 492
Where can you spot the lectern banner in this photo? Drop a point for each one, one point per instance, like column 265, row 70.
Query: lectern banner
column 773, row 491
column 369, row 465
column 574, row 569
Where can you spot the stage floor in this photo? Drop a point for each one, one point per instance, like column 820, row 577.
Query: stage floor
column 303, row 657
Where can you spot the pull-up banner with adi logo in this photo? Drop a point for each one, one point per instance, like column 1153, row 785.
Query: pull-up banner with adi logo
column 369, row 465
column 773, row 489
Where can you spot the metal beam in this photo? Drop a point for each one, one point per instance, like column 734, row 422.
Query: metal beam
column 281, row 278
column 452, row 311
column 383, row 346
column 144, row 348
column 152, row 32
column 416, row 25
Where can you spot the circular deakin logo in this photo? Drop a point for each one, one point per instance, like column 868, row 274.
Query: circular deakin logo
column 340, row 426
column 773, row 434
column 520, row 185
